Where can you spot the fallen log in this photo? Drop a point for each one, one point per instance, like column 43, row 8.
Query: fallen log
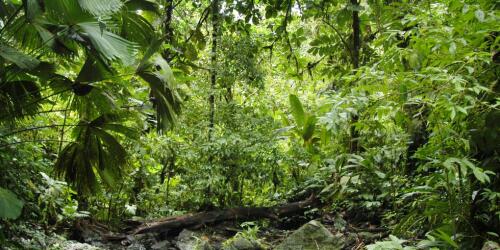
column 194, row 220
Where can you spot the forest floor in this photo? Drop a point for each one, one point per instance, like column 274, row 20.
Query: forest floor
column 231, row 235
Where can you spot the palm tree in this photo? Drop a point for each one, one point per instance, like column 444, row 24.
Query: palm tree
column 111, row 46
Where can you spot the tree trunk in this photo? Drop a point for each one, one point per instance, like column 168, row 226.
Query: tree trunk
column 213, row 71
column 177, row 223
column 356, row 45
column 169, row 33
column 417, row 128
column 356, row 34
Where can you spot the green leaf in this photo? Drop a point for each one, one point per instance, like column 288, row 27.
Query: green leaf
column 100, row 7
column 414, row 60
column 109, row 45
column 67, row 12
column 10, row 206
column 137, row 29
column 47, row 36
column 153, row 47
column 309, row 128
column 446, row 238
column 32, row 9
column 19, row 99
column 479, row 15
column 144, row 5
column 479, row 174
column 95, row 151
column 75, row 167
column 157, row 73
column 449, row 164
column 453, row 48
column 94, row 70
column 20, row 59
column 297, row 110
column 403, row 92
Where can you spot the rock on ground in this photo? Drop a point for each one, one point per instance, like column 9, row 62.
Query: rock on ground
column 73, row 245
column 490, row 245
column 241, row 243
column 189, row 240
column 312, row 235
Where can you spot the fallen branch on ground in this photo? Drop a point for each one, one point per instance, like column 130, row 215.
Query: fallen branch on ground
column 195, row 220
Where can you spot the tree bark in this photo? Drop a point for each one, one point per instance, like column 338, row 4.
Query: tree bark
column 195, row 220
column 356, row 45
column 213, row 70
column 166, row 54
column 356, row 34
column 169, row 33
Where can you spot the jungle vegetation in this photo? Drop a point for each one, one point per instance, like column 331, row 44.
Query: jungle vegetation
column 386, row 110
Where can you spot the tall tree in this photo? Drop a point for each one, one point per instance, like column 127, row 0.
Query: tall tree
column 167, row 28
column 356, row 45
column 356, row 34
column 213, row 68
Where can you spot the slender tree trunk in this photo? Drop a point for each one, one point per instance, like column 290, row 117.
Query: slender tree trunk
column 229, row 94
column 167, row 192
column 353, row 146
column 356, row 45
column 66, row 113
column 166, row 54
column 417, row 128
column 169, row 33
column 213, row 70
column 356, row 34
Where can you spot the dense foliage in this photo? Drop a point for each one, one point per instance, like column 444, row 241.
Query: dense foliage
column 388, row 110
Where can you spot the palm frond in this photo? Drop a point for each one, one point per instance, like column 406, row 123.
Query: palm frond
column 144, row 5
column 137, row 29
column 94, row 151
column 19, row 99
column 75, row 167
column 27, row 34
column 94, row 103
column 67, row 12
column 44, row 71
column 32, row 9
column 167, row 100
column 100, row 7
column 94, row 70
column 109, row 45
column 157, row 73
column 20, row 59
column 6, row 9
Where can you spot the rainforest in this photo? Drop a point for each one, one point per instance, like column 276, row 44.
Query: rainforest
column 249, row 124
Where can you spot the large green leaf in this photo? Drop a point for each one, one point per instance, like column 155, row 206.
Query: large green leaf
column 166, row 100
column 157, row 73
column 19, row 99
column 94, row 70
column 109, row 45
column 100, row 7
column 297, row 110
column 144, row 5
column 94, row 103
column 10, row 206
column 32, row 9
column 94, row 151
column 67, row 12
column 145, row 63
column 309, row 127
column 137, row 29
column 20, row 59
column 74, row 165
